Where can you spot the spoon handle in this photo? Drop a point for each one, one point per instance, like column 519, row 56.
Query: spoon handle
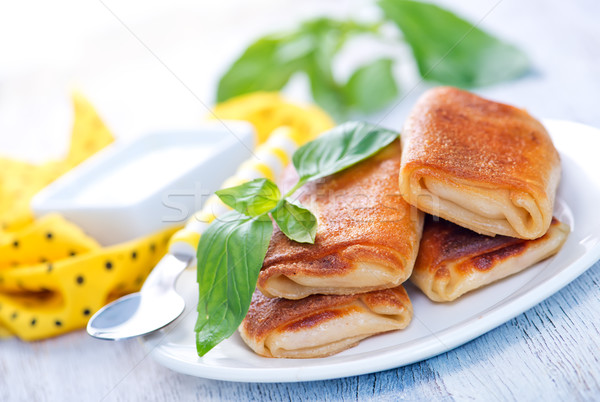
column 163, row 276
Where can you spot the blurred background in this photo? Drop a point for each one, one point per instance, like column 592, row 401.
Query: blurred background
column 148, row 65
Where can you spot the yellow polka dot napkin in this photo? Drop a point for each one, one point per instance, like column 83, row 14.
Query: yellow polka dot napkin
column 55, row 296
column 52, row 275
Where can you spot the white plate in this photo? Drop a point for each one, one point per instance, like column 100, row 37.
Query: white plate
column 436, row 328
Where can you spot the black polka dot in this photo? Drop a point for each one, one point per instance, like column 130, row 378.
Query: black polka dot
column 14, row 315
column 49, row 235
column 16, row 244
column 153, row 247
column 86, row 312
column 133, row 255
column 43, row 260
column 79, row 280
column 33, row 322
column 49, row 268
column 58, row 323
column 108, row 265
column 72, row 253
column 139, row 280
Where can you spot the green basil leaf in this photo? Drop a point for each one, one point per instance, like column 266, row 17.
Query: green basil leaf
column 326, row 92
column 327, row 36
column 267, row 65
column 270, row 62
column 340, row 148
column 253, row 198
column 372, row 86
column 230, row 255
column 451, row 50
column 296, row 222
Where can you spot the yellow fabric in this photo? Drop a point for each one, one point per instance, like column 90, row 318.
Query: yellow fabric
column 269, row 110
column 47, row 299
column 52, row 275
column 50, row 238
column 20, row 181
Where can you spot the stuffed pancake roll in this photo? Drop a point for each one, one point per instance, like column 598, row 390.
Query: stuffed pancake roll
column 453, row 260
column 483, row 165
column 367, row 237
column 321, row 325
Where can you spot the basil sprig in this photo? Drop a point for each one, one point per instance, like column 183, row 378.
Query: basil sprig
column 451, row 50
column 342, row 147
column 296, row 222
column 447, row 49
column 270, row 62
column 232, row 250
column 228, row 255
column 253, row 198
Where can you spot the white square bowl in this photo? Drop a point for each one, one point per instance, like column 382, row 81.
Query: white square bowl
column 158, row 180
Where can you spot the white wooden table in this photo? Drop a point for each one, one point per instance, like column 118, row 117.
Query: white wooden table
column 551, row 352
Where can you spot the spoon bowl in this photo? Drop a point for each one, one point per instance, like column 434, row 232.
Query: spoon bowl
column 154, row 307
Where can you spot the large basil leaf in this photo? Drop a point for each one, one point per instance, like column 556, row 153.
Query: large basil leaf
column 252, row 198
column 340, row 148
column 372, row 86
column 326, row 92
column 451, row 50
column 296, row 222
column 270, row 62
column 230, row 255
column 267, row 65
column 327, row 37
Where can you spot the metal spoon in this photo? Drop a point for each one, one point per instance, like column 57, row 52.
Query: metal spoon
column 155, row 306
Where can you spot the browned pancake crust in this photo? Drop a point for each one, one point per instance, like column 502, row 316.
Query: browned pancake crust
column 444, row 241
column 458, row 133
column 361, row 215
column 268, row 314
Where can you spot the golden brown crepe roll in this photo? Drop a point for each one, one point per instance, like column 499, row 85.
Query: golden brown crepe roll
column 483, row 165
column 367, row 236
column 322, row 325
column 453, row 260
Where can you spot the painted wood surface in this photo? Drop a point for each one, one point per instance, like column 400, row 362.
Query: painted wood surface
column 551, row 352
